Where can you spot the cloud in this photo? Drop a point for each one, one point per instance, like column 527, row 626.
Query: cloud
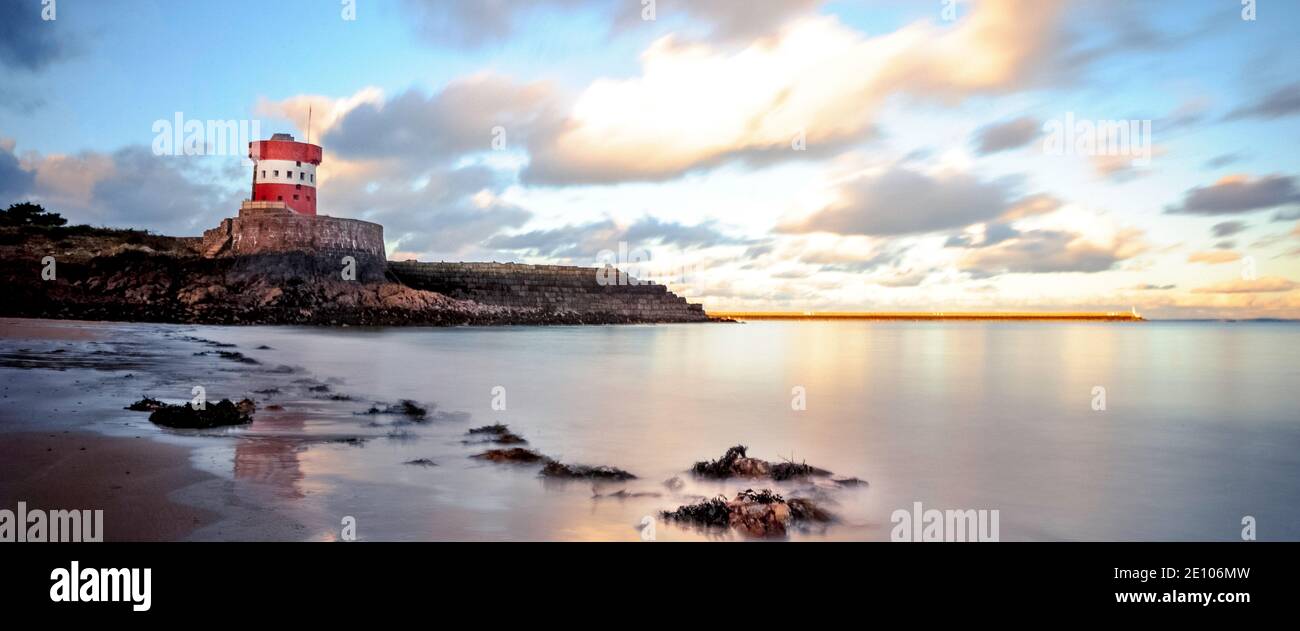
column 1238, row 194
column 1213, row 257
column 901, row 201
column 436, row 211
column 1267, row 284
column 481, row 22
column 1228, row 228
column 478, row 23
column 1223, row 160
column 695, row 105
column 322, row 113
column 1008, row 135
column 1122, row 168
column 1046, row 251
column 1151, row 287
column 585, row 241
column 130, row 187
column 14, row 180
column 1030, row 206
column 847, row 256
column 731, row 20
column 26, row 41
column 1284, row 101
column 427, row 129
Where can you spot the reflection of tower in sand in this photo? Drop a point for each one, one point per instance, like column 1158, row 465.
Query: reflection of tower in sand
column 273, row 459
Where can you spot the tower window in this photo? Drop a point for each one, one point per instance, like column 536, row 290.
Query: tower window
column 302, row 175
column 299, row 162
column 276, row 172
column 290, row 174
column 295, row 198
column 279, row 198
column 313, row 178
column 263, row 172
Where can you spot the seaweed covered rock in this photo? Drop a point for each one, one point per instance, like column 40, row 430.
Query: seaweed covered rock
column 146, row 404
column 497, row 433
column 405, row 407
column 753, row 513
column 219, row 414
column 554, row 469
column 517, row 455
column 736, row 463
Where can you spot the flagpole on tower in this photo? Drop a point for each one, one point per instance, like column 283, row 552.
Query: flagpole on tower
column 309, row 124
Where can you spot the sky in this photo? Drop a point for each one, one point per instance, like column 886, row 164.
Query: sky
column 806, row 155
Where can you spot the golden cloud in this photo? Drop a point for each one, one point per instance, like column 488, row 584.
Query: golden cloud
column 1213, row 257
column 1266, row 284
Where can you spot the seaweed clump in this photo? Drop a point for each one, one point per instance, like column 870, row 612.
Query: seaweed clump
column 736, row 463
column 760, row 513
column 405, row 407
column 555, row 469
column 517, row 455
column 710, row 512
column 220, row 414
column 146, row 404
column 497, row 433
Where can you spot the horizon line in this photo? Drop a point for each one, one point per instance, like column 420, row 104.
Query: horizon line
column 1116, row 316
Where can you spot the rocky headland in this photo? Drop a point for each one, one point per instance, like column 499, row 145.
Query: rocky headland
column 81, row 272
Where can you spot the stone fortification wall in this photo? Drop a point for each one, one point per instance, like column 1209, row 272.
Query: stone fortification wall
column 554, row 288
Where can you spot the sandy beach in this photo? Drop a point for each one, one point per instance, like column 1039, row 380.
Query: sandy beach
column 131, row 479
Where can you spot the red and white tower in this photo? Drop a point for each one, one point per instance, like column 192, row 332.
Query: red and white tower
column 284, row 170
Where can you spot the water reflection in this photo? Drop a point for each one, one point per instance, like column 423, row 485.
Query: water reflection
column 271, row 457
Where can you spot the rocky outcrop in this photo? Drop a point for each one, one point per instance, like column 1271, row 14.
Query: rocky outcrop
column 128, row 275
column 555, row 289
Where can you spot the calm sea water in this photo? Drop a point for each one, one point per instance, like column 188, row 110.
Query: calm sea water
column 1200, row 426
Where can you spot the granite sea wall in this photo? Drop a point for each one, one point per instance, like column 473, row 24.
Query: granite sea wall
column 549, row 288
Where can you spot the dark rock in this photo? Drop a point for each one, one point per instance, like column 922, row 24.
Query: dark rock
column 498, row 433
column 219, row 414
column 405, row 407
column 710, row 512
column 421, row 462
column 513, row 455
column 147, row 404
column 755, row 513
column 623, row 494
column 555, row 469
column 848, row 482
column 737, row 464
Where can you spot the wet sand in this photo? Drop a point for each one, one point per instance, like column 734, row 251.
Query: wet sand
column 130, row 479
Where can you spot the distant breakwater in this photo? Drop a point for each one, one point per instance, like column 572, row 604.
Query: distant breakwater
column 1106, row 316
